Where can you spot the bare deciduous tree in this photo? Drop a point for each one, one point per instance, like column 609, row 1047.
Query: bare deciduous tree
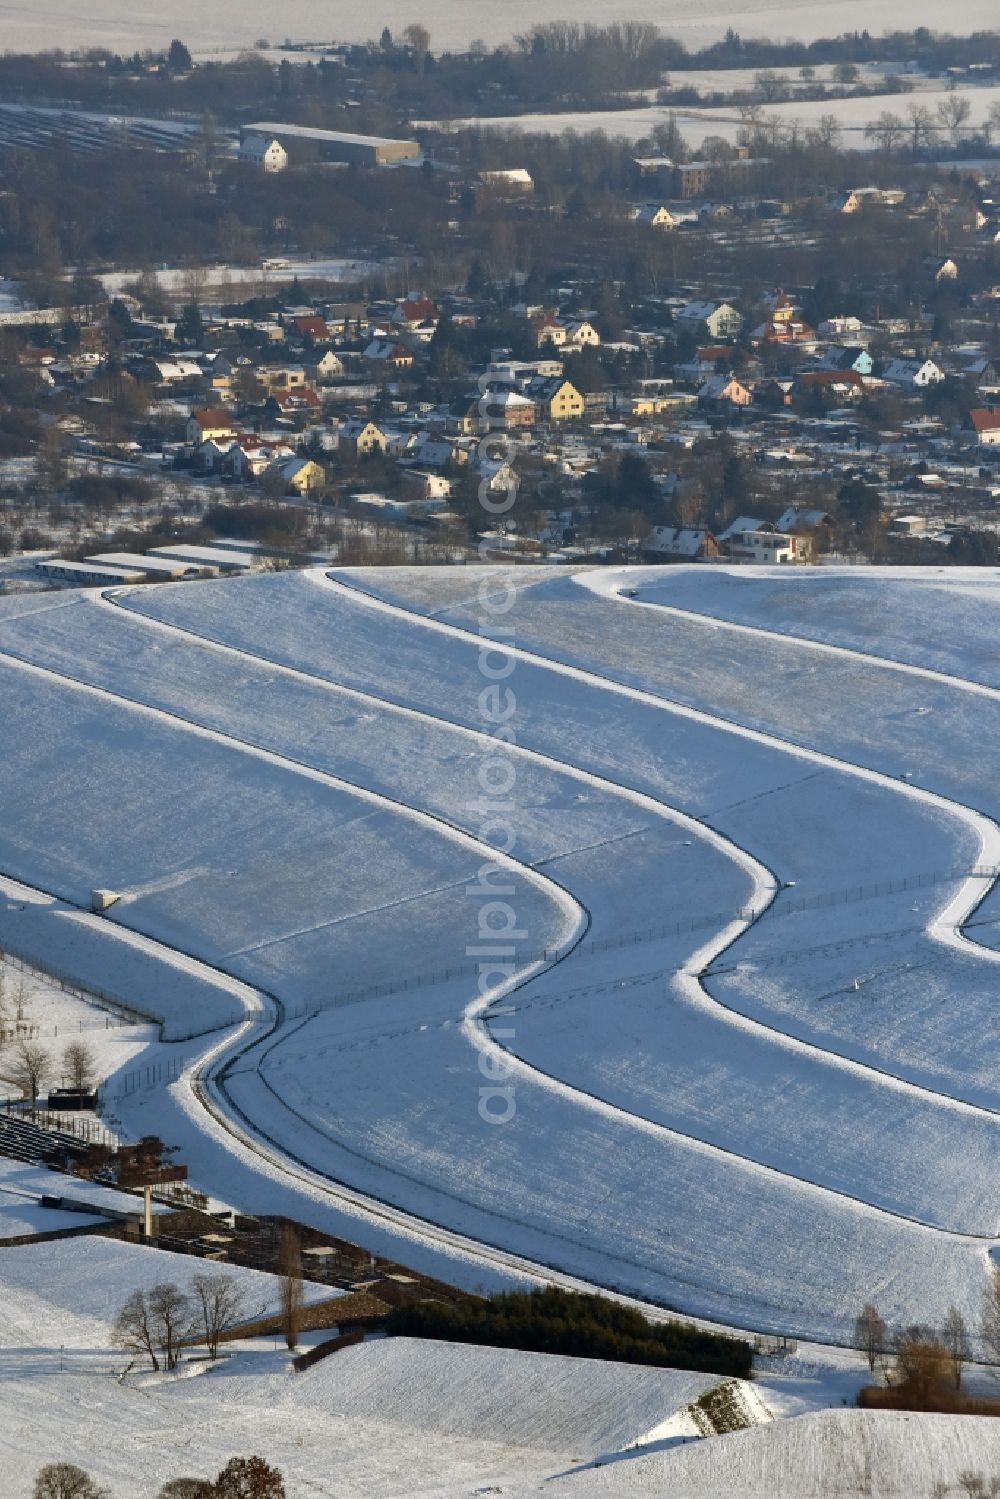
column 290, row 1269
column 28, row 1066
column 887, row 131
column 955, row 1336
column 79, row 1066
column 989, row 1322
column 953, row 112
column 249, row 1478
column 418, row 38
column 171, row 1312
column 870, row 1335
column 155, row 1323
column 65, row 1481
column 134, row 1330
column 920, row 127
column 220, row 1305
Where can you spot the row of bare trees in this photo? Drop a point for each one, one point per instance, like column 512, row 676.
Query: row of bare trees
column 29, row 1066
column 160, row 1322
column 24, row 1062
column 914, row 1355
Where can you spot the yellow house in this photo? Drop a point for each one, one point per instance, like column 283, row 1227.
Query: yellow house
column 299, row 475
column 358, row 438
column 558, row 400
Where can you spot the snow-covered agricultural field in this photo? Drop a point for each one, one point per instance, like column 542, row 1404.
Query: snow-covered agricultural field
column 112, row 24
column 852, row 115
column 750, row 1030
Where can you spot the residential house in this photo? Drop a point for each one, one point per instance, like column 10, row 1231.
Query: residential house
column 312, row 327
column 358, row 437
column 912, row 373
column 723, row 390
column 209, row 421
column 329, row 366
column 389, row 353
column 433, row 489
column 944, row 269
column 837, row 327
column 784, row 323
column 172, row 371
column 303, row 401
column 845, row 385
column 654, row 216
column 680, row 544
column 506, row 408
column 565, row 333
column 719, row 318
column 415, row 309
column 766, row 546
column 282, row 376
column 263, row 152
column 465, row 418
column 301, row 476
column 986, row 426
column 846, row 357
column 557, row 399
column 508, row 179
column 250, row 456
column 432, row 450
column 581, row 334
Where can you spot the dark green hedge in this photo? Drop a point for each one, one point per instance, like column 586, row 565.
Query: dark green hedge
column 554, row 1321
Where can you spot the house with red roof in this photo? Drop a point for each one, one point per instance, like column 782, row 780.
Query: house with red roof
column 985, row 424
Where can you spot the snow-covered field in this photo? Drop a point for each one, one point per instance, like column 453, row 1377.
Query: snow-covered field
column 398, row 1417
column 21, row 1212
column 695, row 124
column 231, row 278
column 743, row 971
column 125, row 28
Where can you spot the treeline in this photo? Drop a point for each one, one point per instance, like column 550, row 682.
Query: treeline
column 379, row 86
column 555, row 1321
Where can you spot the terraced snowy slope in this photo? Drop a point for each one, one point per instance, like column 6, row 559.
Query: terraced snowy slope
column 777, row 1100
